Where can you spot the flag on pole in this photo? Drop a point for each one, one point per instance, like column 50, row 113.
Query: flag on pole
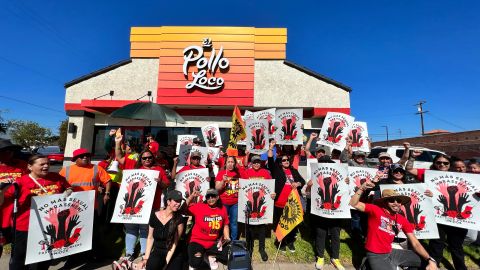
column 291, row 217
column 237, row 132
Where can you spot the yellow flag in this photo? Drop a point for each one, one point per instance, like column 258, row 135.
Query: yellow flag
column 292, row 215
column 237, row 132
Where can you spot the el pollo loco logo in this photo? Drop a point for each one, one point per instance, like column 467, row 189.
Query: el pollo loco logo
column 195, row 55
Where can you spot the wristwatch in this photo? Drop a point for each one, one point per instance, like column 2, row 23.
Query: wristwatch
column 432, row 259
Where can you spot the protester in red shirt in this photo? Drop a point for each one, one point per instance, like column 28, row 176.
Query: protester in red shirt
column 226, row 183
column 152, row 145
column 145, row 161
column 254, row 173
column 210, row 230
column 319, row 151
column 286, row 179
column 38, row 183
column 384, row 223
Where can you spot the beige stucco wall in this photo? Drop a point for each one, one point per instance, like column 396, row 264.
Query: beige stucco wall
column 278, row 85
column 83, row 138
column 129, row 82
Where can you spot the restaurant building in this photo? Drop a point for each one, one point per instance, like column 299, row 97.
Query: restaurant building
column 201, row 73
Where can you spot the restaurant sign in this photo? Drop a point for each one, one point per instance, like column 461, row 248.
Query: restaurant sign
column 194, row 55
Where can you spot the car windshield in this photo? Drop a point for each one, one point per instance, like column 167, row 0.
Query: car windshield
column 49, row 150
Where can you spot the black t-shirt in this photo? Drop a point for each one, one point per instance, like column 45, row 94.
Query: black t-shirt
column 160, row 232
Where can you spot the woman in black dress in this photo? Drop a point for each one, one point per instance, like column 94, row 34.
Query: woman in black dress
column 165, row 228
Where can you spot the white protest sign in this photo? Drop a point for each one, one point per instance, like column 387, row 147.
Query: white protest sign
column 213, row 153
column 193, row 180
column 453, row 199
column 419, row 211
column 335, row 129
column 288, row 124
column 184, row 140
column 269, row 115
column 257, row 136
column 330, row 192
column 210, row 133
column 359, row 175
column 359, row 135
column 60, row 226
column 135, row 197
column 254, row 198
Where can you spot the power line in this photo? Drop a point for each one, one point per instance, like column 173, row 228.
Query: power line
column 30, row 69
column 445, row 121
column 31, row 104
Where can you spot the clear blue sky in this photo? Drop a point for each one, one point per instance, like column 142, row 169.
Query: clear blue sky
column 391, row 53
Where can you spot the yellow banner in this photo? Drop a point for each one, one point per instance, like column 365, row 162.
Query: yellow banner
column 237, row 132
column 292, row 215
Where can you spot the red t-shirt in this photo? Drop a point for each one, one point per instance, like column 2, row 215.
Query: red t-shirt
column 190, row 167
column 260, row 174
column 129, row 163
column 421, row 175
column 162, row 175
column 12, row 171
column 209, row 223
column 380, row 228
column 53, row 183
column 229, row 193
column 287, row 188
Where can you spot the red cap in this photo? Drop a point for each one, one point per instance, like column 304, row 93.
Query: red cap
column 79, row 152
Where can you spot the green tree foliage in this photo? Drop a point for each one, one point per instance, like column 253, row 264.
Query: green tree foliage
column 62, row 133
column 29, row 133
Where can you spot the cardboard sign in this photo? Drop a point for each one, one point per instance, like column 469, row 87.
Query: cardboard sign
column 359, row 135
column 330, row 192
column 193, row 180
column 269, row 115
column 211, row 132
column 184, row 155
column 453, row 199
column 257, row 136
column 335, row 129
column 288, row 123
column 60, row 226
column 419, row 212
column 254, row 200
column 184, row 140
column 135, row 197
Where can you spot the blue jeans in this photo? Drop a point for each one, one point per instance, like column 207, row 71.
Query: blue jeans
column 232, row 211
column 132, row 232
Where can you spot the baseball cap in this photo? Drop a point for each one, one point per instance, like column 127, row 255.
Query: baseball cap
column 212, row 191
column 384, row 154
column 256, row 158
column 359, row 153
column 195, row 154
column 174, row 195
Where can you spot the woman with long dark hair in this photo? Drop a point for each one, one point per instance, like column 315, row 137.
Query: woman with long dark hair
column 164, row 231
column 286, row 179
column 40, row 181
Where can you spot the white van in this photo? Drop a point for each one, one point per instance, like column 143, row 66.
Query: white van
column 425, row 160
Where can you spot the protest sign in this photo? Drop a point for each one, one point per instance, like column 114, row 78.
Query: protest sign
column 359, row 175
column 213, row 153
column 211, row 133
column 269, row 115
column 330, row 192
column 257, row 136
column 335, row 129
column 247, row 115
column 453, row 199
column 288, row 124
column 183, row 155
column 135, row 197
column 184, row 140
column 203, row 154
column 419, row 211
column 359, row 135
column 60, row 226
column 309, row 167
column 193, row 180
column 254, row 199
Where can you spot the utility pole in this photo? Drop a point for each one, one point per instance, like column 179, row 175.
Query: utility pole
column 400, row 133
column 421, row 112
column 386, row 129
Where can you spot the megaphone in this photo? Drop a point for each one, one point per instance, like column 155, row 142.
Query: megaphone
column 113, row 168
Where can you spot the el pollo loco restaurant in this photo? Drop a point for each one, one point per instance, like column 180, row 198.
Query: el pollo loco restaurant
column 201, row 73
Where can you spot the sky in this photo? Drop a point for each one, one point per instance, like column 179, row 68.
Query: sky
column 392, row 54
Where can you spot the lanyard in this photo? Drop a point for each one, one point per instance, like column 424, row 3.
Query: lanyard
column 38, row 184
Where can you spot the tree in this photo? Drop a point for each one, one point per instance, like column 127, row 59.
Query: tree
column 62, row 133
column 29, row 133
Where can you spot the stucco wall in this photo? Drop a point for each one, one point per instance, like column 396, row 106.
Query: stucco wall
column 129, row 82
column 83, row 138
column 278, row 85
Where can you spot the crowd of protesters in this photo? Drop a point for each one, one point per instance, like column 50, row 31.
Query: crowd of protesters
column 169, row 241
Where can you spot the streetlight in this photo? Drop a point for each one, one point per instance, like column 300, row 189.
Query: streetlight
column 386, row 129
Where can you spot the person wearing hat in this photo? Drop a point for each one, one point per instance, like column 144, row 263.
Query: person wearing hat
column 319, row 150
column 197, row 142
column 151, row 144
column 359, row 159
column 195, row 158
column 256, row 172
column 210, row 230
column 164, row 231
column 384, row 223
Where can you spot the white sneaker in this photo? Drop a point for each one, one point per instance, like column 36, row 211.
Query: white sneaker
column 213, row 262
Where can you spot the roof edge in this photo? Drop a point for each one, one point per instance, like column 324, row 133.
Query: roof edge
column 317, row 75
column 98, row 72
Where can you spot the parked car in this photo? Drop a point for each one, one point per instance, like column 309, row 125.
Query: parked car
column 425, row 160
column 53, row 153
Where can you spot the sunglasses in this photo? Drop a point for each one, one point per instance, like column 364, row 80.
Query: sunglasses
column 195, row 158
column 384, row 158
column 257, row 162
column 444, row 163
column 84, row 156
column 392, row 200
column 283, row 160
column 149, row 157
column 398, row 171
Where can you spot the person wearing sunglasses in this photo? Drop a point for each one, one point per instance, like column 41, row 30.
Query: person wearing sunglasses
column 384, row 223
column 195, row 158
column 164, row 231
column 286, row 179
column 210, row 231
